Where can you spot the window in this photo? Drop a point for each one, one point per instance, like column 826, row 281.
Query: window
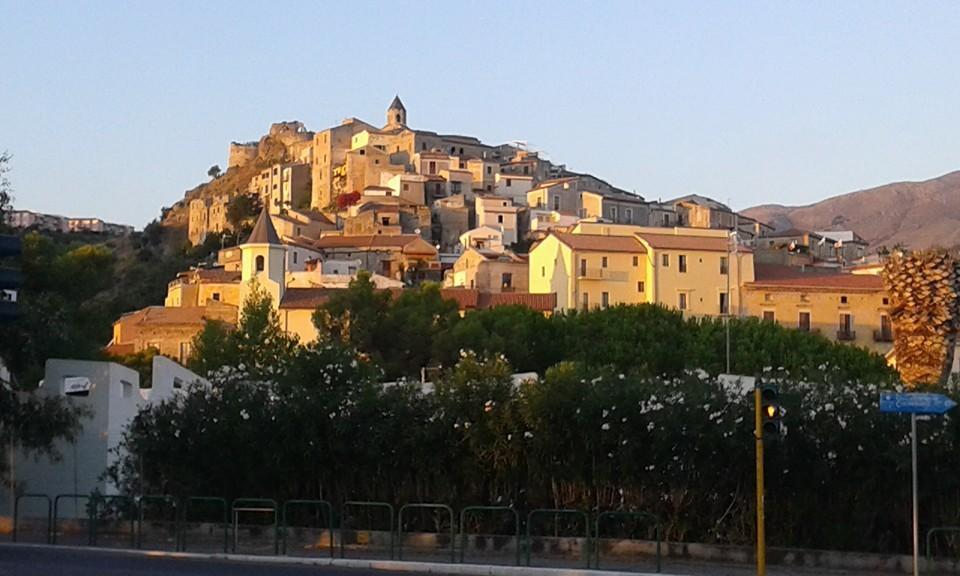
column 682, row 301
column 583, row 266
column 453, row 149
column 769, row 316
column 613, row 213
column 184, row 351
column 299, row 230
column 216, row 296
column 499, row 218
column 724, row 303
column 490, row 171
column 543, row 271
column 462, row 165
column 397, row 119
column 259, row 264
column 636, row 261
column 846, row 323
column 509, row 182
column 843, row 299
column 724, row 265
column 682, row 262
column 506, row 280
column 363, row 152
column 376, row 161
column 886, row 301
column 604, row 299
column 666, row 260
column 666, row 219
column 423, row 145
column 432, row 167
column 803, row 323
column 586, row 301
column 406, row 186
column 385, row 220
column 526, row 169
column 556, row 202
column 294, row 256
column 177, row 383
column 127, row 388
column 603, row 262
column 628, row 214
column 641, row 286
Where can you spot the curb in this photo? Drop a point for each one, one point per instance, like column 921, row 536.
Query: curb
column 378, row 565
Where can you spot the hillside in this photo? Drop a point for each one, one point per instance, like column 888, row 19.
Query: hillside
column 915, row 214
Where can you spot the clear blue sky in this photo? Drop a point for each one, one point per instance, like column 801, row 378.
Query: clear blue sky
column 113, row 109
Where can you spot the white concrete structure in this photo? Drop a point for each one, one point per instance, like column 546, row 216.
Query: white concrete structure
column 112, row 396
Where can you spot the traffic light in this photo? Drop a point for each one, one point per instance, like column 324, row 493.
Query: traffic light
column 10, row 279
column 770, row 411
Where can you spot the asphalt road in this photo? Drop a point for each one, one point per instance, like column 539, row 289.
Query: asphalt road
column 21, row 560
column 27, row 561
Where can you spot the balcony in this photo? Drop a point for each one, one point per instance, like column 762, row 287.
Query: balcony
column 602, row 274
column 883, row 335
column 846, row 335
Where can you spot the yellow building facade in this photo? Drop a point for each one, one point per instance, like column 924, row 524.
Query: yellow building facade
column 847, row 308
column 600, row 264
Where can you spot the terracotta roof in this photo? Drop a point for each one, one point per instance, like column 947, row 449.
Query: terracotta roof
column 174, row 315
column 469, row 299
column 677, row 242
column 763, row 272
column 817, row 280
column 539, row 302
column 365, row 241
column 305, row 298
column 600, row 243
column 218, row 275
column 263, row 230
column 466, row 298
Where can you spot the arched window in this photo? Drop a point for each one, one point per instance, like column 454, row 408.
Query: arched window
column 398, row 119
column 259, row 263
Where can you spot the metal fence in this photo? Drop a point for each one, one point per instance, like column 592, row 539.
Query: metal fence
column 414, row 531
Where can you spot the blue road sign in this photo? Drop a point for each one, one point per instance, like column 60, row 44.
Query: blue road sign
column 915, row 403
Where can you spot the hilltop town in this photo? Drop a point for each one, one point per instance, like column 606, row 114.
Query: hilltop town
column 496, row 225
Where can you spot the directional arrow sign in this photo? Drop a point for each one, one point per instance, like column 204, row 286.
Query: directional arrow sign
column 915, row 403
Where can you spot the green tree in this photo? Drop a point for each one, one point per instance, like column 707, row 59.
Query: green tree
column 258, row 346
column 214, row 172
column 242, row 211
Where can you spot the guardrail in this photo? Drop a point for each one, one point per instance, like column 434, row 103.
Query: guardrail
column 189, row 522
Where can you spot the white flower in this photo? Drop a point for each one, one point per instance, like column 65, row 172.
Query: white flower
column 244, row 414
column 606, row 426
column 528, row 434
column 605, row 413
column 509, row 436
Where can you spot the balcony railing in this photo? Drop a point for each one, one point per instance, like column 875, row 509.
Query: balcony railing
column 602, row 274
column 846, row 335
column 882, row 335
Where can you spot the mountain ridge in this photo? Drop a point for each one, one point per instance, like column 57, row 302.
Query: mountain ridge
column 916, row 214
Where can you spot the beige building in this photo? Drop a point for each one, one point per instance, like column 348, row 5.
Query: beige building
column 399, row 256
column 848, row 308
column 201, row 286
column 589, row 197
column 500, row 214
column 513, row 186
column 168, row 330
column 282, row 187
column 601, row 264
column 489, row 271
column 208, row 215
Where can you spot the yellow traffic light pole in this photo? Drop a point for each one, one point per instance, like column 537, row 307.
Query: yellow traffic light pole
column 761, row 532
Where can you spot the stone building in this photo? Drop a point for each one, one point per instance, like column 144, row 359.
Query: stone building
column 489, row 271
column 282, row 186
column 207, row 215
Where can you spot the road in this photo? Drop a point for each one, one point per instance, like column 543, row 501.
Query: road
column 23, row 560
column 29, row 561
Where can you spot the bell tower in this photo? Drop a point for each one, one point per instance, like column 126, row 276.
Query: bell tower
column 396, row 114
